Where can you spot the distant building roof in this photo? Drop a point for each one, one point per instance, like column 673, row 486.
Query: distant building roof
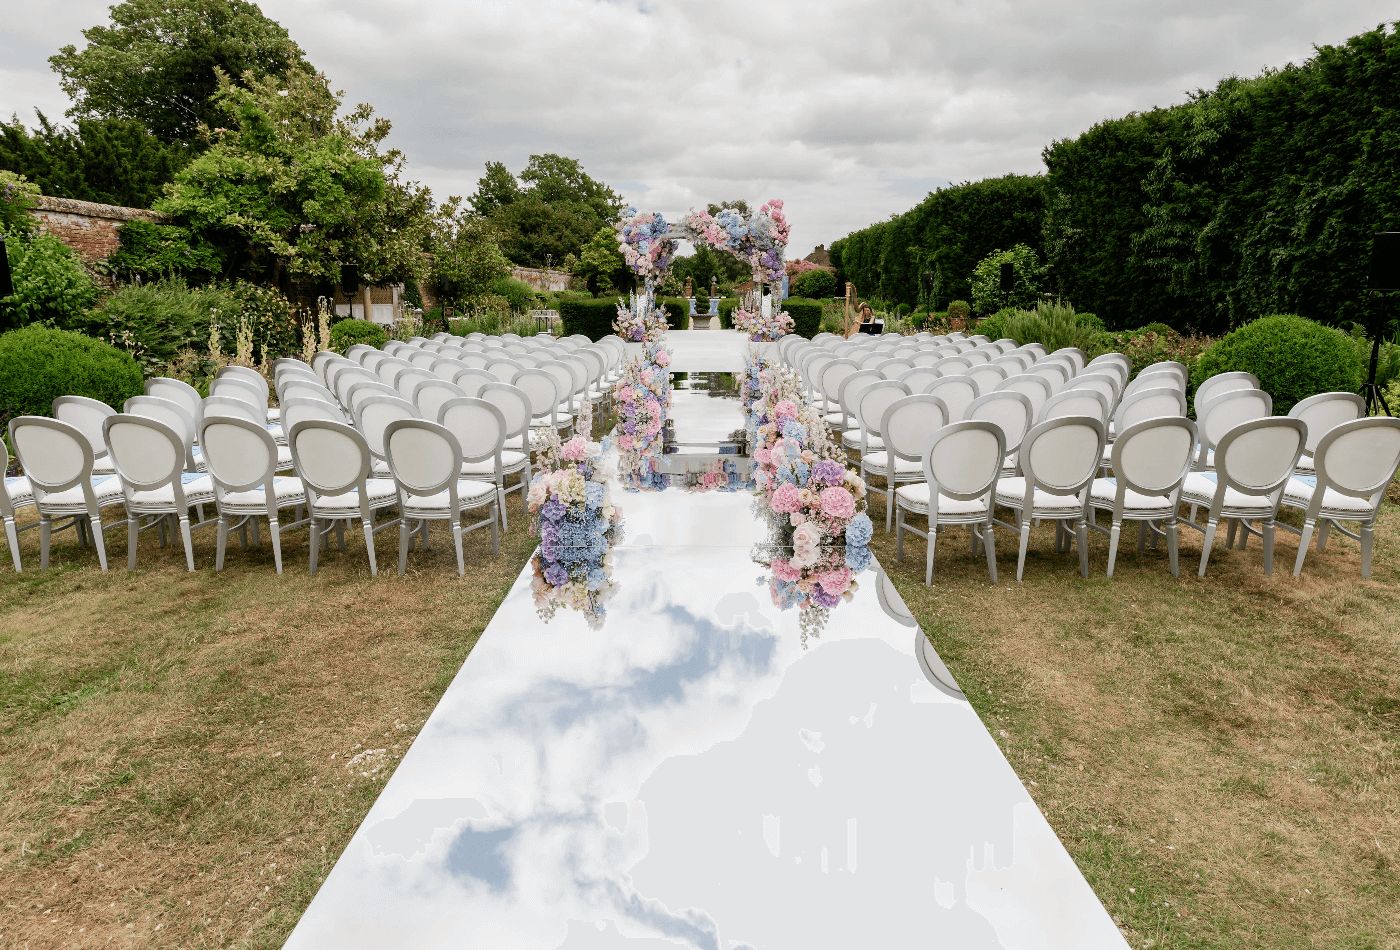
column 820, row 257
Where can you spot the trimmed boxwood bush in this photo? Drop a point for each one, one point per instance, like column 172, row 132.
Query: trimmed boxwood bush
column 347, row 333
column 677, row 312
column 593, row 317
column 38, row 364
column 814, row 284
column 806, row 315
column 1294, row 358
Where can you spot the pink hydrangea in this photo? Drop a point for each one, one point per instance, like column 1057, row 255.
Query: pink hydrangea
column 763, row 457
column 837, row 502
column 784, row 570
column 575, row 450
column 786, row 499
column 626, row 394
column 663, row 358
column 836, row 581
column 787, row 409
column 625, row 442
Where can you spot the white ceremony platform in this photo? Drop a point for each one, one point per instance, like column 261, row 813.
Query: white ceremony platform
column 691, row 775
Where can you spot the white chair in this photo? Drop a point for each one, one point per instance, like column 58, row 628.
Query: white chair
column 917, row 378
column 961, row 467
column 406, row 379
column 915, row 418
column 179, row 392
column 1058, row 461
column 893, row 368
column 1054, row 372
column 1075, row 402
column 1321, row 413
column 957, row 393
column 430, row 394
column 297, row 387
column 57, row 461
column 372, row 418
column 1253, row 463
column 1011, row 413
column 1105, row 383
column 987, row 377
column 333, row 463
column 951, row 366
column 225, row 407
column 543, row 392
column 299, row 409
column 471, row 380
column 1219, row 384
column 87, row 416
column 150, row 460
column 174, row 415
column 427, row 463
column 1037, row 389
column 237, row 387
column 478, row 424
column 514, row 407
column 254, row 379
column 1354, row 463
column 1222, row 413
column 833, row 376
column 1150, row 460
column 870, row 409
column 242, row 461
column 15, row 496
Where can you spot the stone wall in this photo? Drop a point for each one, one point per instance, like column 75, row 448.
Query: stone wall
column 542, row 279
column 88, row 228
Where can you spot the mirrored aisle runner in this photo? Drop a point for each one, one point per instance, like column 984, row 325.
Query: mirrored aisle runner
column 690, row 775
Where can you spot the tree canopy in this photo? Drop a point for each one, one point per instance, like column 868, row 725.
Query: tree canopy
column 551, row 211
column 110, row 161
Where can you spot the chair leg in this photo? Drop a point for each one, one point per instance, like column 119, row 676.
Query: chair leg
column 1025, row 543
column 45, row 533
column 1173, row 541
column 187, row 541
column 403, row 545
column 501, row 501
column 1230, row 535
column 133, row 534
column 989, row 547
column 1267, row 529
column 1113, row 536
column 457, row 544
column 1082, row 531
column 315, row 544
column 221, row 542
column 99, row 542
column 257, row 534
column 1142, row 538
column 274, row 531
column 12, row 536
column 889, row 499
column 899, row 534
column 1205, row 547
column 369, row 547
column 496, row 516
column 1323, row 527
column 1368, row 538
column 340, row 534
column 928, row 553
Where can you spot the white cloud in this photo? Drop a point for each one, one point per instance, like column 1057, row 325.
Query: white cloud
column 850, row 112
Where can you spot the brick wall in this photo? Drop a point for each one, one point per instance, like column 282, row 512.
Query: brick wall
column 541, row 279
column 88, row 228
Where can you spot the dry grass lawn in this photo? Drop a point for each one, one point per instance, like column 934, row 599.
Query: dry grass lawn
column 183, row 758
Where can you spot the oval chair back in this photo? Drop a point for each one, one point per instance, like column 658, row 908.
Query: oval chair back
column 1075, row 402
column 1154, row 403
column 514, row 407
column 1221, row 383
column 179, row 392
column 372, row 418
column 87, row 416
column 1224, row 412
column 957, row 393
column 870, row 410
column 1037, row 389
column 1008, row 411
column 1323, row 413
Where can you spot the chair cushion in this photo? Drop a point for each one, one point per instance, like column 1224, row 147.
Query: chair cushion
column 511, row 461
column 107, row 488
column 199, row 490
column 18, row 490
column 1011, row 492
column 1305, row 465
column 471, row 494
column 916, row 498
column 1199, row 489
column 287, row 491
column 877, row 463
column 1299, row 491
column 851, row 440
column 104, row 466
column 1104, row 491
column 381, row 493
column 379, row 468
column 273, row 413
column 834, row 418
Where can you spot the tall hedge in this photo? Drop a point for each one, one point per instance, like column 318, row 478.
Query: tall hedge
column 592, row 318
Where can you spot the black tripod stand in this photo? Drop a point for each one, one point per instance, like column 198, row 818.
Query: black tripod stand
column 1375, row 398
column 1384, row 279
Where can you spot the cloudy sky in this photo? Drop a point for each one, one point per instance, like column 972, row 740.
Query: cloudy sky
column 849, row 111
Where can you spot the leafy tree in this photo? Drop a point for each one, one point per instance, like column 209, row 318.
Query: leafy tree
column 706, row 263
column 158, row 62
column 558, row 179
column 1029, row 279
column 109, row 161
column 149, row 251
column 496, row 189
column 290, row 191
column 600, row 263
column 467, row 258
column 552, row 211
column 17, row 195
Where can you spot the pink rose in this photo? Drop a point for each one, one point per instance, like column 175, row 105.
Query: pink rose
column 625, row 442
column 663, row 358
column 626, row 394
column 786, row 499
column 836, row 502
column 763, row 457
column 835, row 582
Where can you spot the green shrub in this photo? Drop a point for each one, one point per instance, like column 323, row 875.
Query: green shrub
column 38, row 364
column 273, row 319
column 593, row 318
column 994, row 327
column 159, row 319
column 959, row 309
column 1086, row 319
column 1293, row 357
column 347, row 333
column 17, row 195
column 727, row 306
column 1053, row 325
column 51, row 284
column 813, row 284
column 494, row 323
column 806, row 316
column 1161, row 329
column 677, row 312
column 150, row 251
column 520, row 294
column 1029, row 276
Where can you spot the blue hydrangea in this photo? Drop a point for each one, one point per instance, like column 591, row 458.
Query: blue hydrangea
column 597, row 579
column 858, row 558
column 860, row 530
column 593, row 494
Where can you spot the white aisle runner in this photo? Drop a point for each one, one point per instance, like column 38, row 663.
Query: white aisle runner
column 689, row 775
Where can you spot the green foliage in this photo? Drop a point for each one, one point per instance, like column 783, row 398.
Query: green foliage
column 959, row 310
column 1051, row 324
column 467, row 259
column 806, row 316
column 1029, row 279
column 677, row 312
column 727, row 306
column 517, row 294
column 38, row 364
column 347, row 333
column 599, row 263
column 149, row 251
column 159, row 319
column 270, row 316
column 51, row 284
column 551, row 212
column 930, row 250
column 814, row 284
column 158, row 62
column 17, row 194
column 289, row 189
column 109, row 161
column 1153, row 344
column 1293, row 357
column 706, row 263
column 592, row 318
column 994, row 327
column 495, row 322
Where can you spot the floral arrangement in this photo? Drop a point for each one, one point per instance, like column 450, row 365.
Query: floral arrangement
column 762, row 328
column 759, row 240
column 643, row 399
column 720, row 475
column 577, row 526
column 645, row 247
column 815, row 505
column 639, row 320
